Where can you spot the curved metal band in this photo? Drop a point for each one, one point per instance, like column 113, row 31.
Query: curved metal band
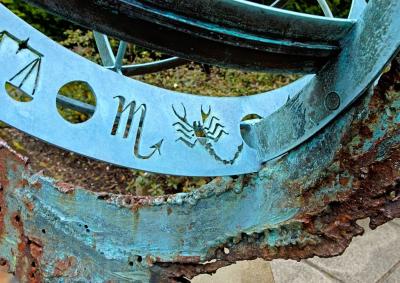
column 211, row 32
column 152, row 67
column 109, row 60
column 366, row 51
column 157, row 130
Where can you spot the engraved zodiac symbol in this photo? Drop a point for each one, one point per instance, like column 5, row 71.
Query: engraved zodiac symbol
column 26, row 80
column 206, row 132
column 131, row 114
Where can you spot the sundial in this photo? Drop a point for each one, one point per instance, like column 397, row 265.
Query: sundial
column 322, row 151
column 159, row 130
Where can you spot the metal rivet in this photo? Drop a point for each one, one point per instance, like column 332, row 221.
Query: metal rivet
column 332, row 101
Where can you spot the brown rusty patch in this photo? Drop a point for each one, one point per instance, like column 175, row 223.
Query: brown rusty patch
column 62, row 266
column 3, row 207
column 3, row 186
column 29, row 253
column 23, row 183
column 188, row 259
column 374, row 191
column 373, row 179
column 344, row 181
column 365, row 132
column 28, row 204
column 4, row 265
column 169, row 210
column 36, row 185
column 35, row 247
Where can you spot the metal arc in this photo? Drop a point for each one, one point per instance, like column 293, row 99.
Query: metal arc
column 209, row 31
column 366, row 51
column 148, row 134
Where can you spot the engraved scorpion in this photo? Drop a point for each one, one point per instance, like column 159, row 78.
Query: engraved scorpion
column 204, row 131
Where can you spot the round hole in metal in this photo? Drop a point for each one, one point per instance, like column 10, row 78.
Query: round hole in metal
column 76, row 102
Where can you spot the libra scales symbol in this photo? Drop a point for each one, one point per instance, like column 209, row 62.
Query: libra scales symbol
column 23, row 84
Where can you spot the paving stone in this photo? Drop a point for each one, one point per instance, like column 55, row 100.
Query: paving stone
column 396, row 221
column 285, row 271
column 254, row 271
column 368, row 258
column 373, row 257
column 393, row 277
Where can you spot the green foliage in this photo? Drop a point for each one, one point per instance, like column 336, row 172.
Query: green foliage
column 81, row 42
column 340, row 8
column 50, row 25
column 17, row 94
column 143, row 183
column 79, row 91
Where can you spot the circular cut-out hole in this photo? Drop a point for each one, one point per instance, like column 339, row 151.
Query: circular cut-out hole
column 76, row 102
column 17, row 93
column 245, row 124
column 139, row 258
column 251, row 117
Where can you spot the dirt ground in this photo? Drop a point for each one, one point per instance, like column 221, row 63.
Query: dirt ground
column 78, row 170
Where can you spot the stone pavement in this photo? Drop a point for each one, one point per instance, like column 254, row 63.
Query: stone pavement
column 373, row 257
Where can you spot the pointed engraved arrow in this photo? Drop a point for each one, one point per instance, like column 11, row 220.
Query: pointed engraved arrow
column 132, row 111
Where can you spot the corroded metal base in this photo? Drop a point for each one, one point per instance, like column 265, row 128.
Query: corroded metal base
column 302, row 205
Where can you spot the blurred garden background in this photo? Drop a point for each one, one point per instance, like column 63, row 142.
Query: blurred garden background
column 192, row 78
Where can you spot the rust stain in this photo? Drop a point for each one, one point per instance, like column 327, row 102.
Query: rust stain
column 344, row 181
column 36, row 185
column 3, row 207
column 23, row 183
column 373, row 183
column 365, row 132
column 28, row 204
column 4, row 265
column 4, row 183
column 29, row 253
column 169, row 210
column 62, row 266
column 374, row 191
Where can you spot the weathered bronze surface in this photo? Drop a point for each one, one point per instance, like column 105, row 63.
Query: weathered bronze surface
column 347, row 172
column 326, row 150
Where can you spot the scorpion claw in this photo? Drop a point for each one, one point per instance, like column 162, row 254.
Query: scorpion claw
column 182, row 118
column 205, row 115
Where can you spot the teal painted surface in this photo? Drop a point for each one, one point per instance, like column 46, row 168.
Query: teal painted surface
column 72, row 234
column 114, row 237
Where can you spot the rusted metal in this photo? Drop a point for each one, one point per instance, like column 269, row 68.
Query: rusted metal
column 362, row 181
column 50, row 231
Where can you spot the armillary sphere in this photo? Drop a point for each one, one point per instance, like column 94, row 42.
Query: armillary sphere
column 293, row 135
column 160, row 130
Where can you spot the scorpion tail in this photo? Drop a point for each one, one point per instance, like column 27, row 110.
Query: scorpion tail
column 213, row 153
